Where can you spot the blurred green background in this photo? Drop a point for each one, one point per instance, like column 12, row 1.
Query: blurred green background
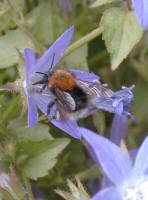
column 36, row 24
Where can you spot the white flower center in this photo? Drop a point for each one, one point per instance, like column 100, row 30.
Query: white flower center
column 138, row 192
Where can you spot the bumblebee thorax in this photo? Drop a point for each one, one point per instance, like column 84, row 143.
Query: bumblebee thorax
column 62, row 79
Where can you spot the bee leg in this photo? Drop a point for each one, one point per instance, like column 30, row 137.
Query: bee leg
column 49, row 107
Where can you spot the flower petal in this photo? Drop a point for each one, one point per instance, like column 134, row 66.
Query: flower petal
column 133, row 154
column 108, row 194
column 84, row 75
column 113, row 161
column 56, row 50
column 43, row 100
column 119, row 129
column 118, row 102
column 69, row 126
column 141, row 9
column 141, row 162
column 30, row 60
column 32, row 112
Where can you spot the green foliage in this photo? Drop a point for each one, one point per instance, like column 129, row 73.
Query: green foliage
column 35, row 159
column 21, row 132
column 119, row 27
column 41, row 20
column 80, row 62
column 101, row 2
column 76, row 192
column 38, row 155
column 9, row 43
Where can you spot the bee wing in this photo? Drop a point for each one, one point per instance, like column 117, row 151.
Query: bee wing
column 95, row 88
column 65, row 99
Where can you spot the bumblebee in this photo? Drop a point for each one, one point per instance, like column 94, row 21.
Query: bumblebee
column 71, row 94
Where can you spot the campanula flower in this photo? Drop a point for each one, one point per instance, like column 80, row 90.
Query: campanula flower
column 65, row 6
column 40, row 100
column 118, row 129
column 116, row 102
column 84, row 93
column 129, row 179
column 36, row 99
column 141, row 11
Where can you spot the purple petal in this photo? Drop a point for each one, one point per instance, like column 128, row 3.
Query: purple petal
column 56, row 50
column 141, row 162
column 118, row 102
column 30, row 60
column 133, row 154
column 69, row 126
column 32, row 112
column 108, row 104
column 84, row 75
column 141, row 9
column 113, row 161
column 105, row 182
column 119, row 129
column 108, row 194
column 42, row 101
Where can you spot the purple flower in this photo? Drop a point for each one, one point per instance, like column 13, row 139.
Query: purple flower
column 35, row 98
column 65, row 6
column 141, row 10
column 119, row 129
column 115, row 102
column 64, row 107
column 129, row 179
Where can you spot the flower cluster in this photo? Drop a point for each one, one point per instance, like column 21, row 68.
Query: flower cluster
column 64, row 100
column 64, row 95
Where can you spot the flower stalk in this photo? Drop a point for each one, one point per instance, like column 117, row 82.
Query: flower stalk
column 87, row 38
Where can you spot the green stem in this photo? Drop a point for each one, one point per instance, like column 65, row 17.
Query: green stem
column 90, row 36
column 28, row 190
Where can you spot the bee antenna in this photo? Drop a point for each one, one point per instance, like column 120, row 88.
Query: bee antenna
column 52, row 62
column 42, row 73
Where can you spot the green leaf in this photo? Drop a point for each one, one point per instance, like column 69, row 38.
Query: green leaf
column 5, row 22
column 101, row 2
column 77, row 59
column 35, row 159
column 21, row 132
column 13, row 40
column 45, row 23
column 121, row 33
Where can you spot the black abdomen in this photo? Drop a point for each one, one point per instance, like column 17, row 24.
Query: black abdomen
column 79, row 97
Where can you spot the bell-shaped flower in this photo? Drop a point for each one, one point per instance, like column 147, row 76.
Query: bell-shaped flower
column 129, row 178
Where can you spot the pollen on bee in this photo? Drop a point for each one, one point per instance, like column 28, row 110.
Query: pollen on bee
column 62, row 79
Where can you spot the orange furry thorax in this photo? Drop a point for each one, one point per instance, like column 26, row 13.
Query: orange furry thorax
column 62, row 79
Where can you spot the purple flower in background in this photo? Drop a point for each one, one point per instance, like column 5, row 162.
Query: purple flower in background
column 141, row 10
column 82, row 95
column 129, row 180
column 65, row 6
